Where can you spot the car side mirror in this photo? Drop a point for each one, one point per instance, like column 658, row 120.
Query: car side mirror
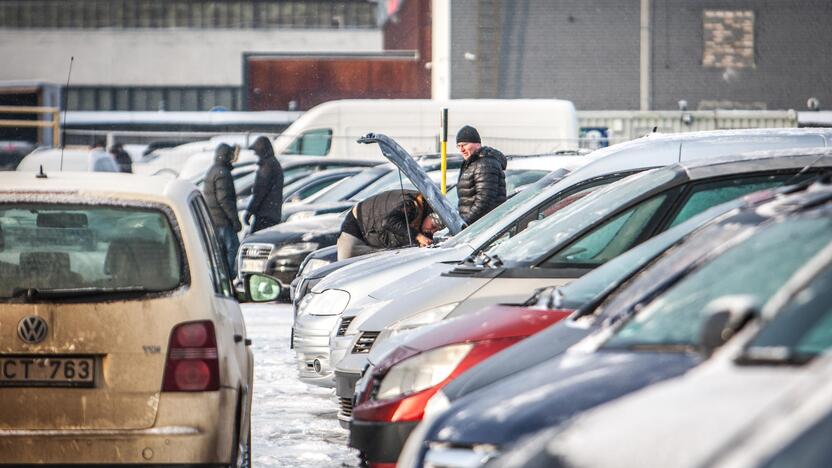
column 262, row 288
column 724, row 317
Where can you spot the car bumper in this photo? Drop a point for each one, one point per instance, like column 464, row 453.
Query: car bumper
column 311, row 343
column 380, row 442
column 344, row 390
column 189, row 430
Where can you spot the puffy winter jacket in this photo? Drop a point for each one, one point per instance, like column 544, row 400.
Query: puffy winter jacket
column 482, row 183
column 267, row 193
column 220, row 195
column 382, row 219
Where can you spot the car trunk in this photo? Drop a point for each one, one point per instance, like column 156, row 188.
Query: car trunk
column 127, row 343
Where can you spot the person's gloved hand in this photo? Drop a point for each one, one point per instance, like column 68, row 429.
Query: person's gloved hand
column 247, row 218
column 237, row 226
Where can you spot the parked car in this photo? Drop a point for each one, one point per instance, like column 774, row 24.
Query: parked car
column 568, row 244
column 390, row 415
column 653, row 329
column 703, row 413
column 123, row 342
column 12, row 151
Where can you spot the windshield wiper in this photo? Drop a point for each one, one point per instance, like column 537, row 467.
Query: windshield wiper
column 774, row 355
column 31, row 294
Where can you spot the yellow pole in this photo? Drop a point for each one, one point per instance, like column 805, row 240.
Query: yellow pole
column 444, row 150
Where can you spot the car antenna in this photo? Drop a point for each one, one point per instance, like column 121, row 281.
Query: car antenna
column 404, row 210
column 41, row 174
column 66, row 105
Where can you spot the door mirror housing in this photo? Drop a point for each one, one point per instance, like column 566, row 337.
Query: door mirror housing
column 262, row 288
column 724, row 317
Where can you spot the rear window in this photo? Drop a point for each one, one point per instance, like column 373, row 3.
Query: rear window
column 49, row 247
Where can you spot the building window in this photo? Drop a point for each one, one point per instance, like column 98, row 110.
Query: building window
column 729, row 39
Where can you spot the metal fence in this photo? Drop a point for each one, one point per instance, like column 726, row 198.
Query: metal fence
column 228, row 14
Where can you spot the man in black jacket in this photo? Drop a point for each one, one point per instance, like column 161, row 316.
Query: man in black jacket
column 267, row 192
column 221, row 198
column 482, row 181
column 388, row 220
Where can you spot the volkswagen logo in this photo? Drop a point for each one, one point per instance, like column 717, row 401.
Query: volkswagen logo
column 32, row 329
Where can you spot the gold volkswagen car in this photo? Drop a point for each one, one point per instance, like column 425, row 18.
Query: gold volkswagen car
column 121, row 340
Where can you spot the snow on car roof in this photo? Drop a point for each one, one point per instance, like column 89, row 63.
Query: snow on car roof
column 97, row 184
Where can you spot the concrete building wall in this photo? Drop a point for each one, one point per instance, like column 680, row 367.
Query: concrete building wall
column 582, row 50
column 792, row 42
column 588, row 51
column 160, row 57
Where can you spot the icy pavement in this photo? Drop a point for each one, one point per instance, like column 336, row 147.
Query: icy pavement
column 294, row 423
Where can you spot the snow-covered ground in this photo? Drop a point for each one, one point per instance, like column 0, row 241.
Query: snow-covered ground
column 294, row 423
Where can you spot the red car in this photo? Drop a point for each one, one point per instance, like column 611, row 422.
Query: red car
column 397, row 390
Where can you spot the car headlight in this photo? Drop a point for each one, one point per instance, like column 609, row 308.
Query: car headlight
column 300, row 215
column 329, row 302
column 422, row 371
column 295, row 249
column 426, row 317
column 313, row 264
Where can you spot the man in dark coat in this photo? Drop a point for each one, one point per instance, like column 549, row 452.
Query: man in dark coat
column 482, row 181
column 122, row 158
column 388, row 220
column 267, row 192
column 221, row 198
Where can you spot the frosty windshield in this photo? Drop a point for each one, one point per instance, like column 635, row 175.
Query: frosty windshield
column 570, row 220
column 48, row 247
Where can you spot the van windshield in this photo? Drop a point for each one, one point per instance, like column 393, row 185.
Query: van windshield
column 50, row 247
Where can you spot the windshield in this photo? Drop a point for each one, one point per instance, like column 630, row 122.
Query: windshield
column 586, row 288
column 558, row 228
column 497, row 216
column 803, row 328
column 48, row 247
column 756, row 267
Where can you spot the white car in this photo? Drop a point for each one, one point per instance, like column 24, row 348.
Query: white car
column 122, row 339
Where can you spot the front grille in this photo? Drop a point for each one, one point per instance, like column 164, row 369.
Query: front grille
column 342, row 327
column 256, row 251
column 364, row 342
column 345, row 405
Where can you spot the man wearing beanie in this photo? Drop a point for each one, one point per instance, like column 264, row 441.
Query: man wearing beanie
column 482, row 180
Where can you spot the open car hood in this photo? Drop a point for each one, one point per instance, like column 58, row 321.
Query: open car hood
column 405, row 162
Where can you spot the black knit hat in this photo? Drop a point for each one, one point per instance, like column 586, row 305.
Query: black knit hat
column 468, row 134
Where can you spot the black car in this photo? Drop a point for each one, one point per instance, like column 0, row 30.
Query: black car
column 646, row 331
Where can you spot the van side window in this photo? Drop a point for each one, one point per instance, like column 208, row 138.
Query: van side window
column 311, row 143
column 217, row 267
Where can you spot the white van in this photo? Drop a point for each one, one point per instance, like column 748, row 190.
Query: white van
column 514, row 126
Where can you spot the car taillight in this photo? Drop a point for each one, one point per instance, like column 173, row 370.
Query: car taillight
column 192, row 364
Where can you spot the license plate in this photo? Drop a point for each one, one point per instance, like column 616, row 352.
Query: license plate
column 31, row 371
column 253, row 265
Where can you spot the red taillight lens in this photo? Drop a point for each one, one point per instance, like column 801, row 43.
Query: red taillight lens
column 192, row 364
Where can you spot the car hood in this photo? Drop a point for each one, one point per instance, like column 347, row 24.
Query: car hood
column 684, row 407
column 305, row 229
column 402, row 159
column 492, row 323
column 292, row 208
column 531, row 352
column 367, row 274
column 551, row 393
column 419, row 291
